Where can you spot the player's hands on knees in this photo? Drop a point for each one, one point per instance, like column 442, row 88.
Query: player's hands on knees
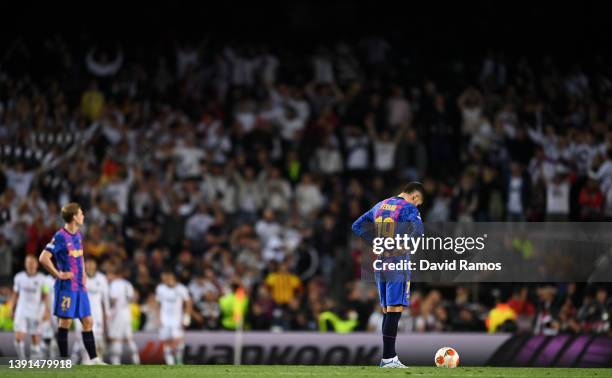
column 64, row 276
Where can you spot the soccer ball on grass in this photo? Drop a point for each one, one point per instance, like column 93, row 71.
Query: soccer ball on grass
column 447, row 357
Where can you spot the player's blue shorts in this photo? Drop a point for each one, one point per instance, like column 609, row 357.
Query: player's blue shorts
column 393, row 287
column 71, row 304
column 393, row 293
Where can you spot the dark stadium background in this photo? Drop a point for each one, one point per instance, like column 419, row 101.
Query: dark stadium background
column 426, row 39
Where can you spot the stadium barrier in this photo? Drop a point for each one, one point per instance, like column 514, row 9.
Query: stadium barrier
column 311, row 348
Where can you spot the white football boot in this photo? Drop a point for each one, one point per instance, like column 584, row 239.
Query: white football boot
column 392, row 363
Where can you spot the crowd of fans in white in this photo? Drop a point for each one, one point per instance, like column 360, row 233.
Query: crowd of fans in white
column 236, row 166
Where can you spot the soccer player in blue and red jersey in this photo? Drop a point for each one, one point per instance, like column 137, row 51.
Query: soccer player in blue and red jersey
column 393, row 286
column 63, row 259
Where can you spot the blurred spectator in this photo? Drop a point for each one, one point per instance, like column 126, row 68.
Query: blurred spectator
column 523, row 308
column 547, row 312
column 92, row 102
column 95, row 245
column 501, row 318
column 518, row 194
column 399, row 110
column 207, row 311
column 308, row 197
column 594, row 314
column 567, row 318
column 233, row 306
column 470, row 103
column 432, row 316
column 196, row 227
column 218, row 159
column 284, row 286
column 410, row 154
column 591, row 202
column 465, row 200
column 262, row 311
column 558, row 197
column 385, row 147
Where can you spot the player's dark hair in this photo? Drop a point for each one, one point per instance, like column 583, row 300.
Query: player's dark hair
column 414, row 187
column 69, row 211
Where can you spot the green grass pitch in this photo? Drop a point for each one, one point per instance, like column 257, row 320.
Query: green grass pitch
column 251, row 371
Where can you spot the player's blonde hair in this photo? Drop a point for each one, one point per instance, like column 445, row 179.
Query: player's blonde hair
column 69, row 211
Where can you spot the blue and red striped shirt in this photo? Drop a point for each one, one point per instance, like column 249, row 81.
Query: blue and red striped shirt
column 392, row 211
column 67, row 250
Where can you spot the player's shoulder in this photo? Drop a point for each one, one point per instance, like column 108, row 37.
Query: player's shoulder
column 378, row 205
column 410, row 208
column 19, row 276
column 41, row 277
column 410, row 211
column 120, row 283
column 59, row 235
column 182, row 291
column 391, row 201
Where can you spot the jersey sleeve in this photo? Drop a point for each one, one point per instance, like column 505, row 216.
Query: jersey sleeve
column 185, row 293
column 130, row 292
column 56, row 244
column 158, row 293
column 112, row 291
column 17, row 282
column 358, row 226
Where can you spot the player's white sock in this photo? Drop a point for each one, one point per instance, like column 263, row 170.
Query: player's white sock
column 134, row 351
column 20, row 348
column 35, row 351
column 49, row 349
column 180, row 350
column 168, row 355
column 100, row 346
column 53, row 349
column 44, row 349
column 77, row 350
column 116, row 352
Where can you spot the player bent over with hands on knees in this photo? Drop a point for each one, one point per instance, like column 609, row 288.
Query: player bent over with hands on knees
column 63, row 259
column 393, row 287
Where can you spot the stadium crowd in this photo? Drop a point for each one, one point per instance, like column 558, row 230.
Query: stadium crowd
column 242, row 167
